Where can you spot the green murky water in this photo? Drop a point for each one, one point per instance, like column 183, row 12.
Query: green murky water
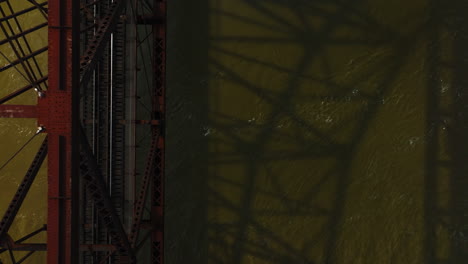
column 317, row 132
column 15, row 132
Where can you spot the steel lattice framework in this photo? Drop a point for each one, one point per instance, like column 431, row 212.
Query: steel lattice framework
column 102, row 206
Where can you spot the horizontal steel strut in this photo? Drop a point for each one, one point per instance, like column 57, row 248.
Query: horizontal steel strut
column 18, row 111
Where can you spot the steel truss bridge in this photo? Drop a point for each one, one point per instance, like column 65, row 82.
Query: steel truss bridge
column 100, row 114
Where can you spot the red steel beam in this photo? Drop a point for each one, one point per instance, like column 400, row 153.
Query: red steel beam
column 58, row 113
column 18, row 111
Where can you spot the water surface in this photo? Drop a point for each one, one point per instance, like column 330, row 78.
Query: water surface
column 317, row 132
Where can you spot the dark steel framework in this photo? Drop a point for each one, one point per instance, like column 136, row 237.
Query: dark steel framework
column 89, row 107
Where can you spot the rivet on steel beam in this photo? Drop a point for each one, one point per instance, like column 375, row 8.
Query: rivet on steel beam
column 40, row 129
column 39, row 92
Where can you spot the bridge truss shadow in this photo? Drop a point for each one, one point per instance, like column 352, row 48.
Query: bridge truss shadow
column 274, row 128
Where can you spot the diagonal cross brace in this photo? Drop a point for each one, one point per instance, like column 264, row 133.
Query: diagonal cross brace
column 23, row 189
column 141, row 199
column 20, row 91
column 95, row 46
column 96, row 186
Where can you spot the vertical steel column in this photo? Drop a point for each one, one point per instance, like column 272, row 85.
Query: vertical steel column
column 58, row 112
column 159, row 112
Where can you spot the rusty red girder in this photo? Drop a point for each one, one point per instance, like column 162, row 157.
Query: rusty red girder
column 58, row 112
column 18, row 111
